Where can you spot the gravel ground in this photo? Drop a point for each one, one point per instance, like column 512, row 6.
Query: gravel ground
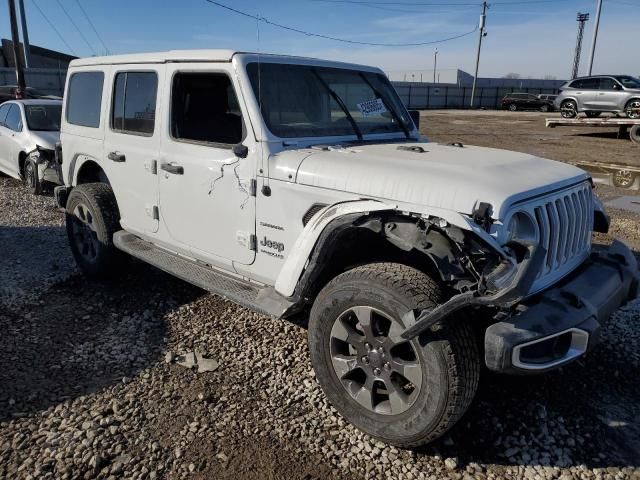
column 88, row 388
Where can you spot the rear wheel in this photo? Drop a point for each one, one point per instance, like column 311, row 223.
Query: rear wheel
column 92, row 218
column 513, row 107
column 544, row 108
column 633, row 109
column 592, row 114
column 405, row 393
column 569, row 109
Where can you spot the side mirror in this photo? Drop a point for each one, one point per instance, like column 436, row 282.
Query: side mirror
column 240, row 150
column 415, row 116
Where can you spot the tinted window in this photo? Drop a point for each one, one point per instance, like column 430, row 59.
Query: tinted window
column 85, row 98
column 204, row 108
column 134, row 102
column 591, row 83
column 43, row 117
column 4, row 109
column 629, row 82
column 14, row 120
column 577, row 84
column 608, row 84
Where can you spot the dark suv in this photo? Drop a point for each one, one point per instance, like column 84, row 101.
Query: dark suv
column 601, row 93
column 525, row 101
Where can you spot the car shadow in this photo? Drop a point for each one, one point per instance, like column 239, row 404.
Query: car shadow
column 611, row 134
column 79, row 336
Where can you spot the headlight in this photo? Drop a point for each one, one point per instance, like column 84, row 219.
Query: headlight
column 521, row 227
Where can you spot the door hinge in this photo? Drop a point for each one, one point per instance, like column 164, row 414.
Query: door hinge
column 151, row 166
column 253, row 187
column 253, row 242
column 152, row 211
column 247, row 239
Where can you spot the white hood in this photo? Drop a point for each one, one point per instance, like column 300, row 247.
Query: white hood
column 443, row 176
column 45, row 139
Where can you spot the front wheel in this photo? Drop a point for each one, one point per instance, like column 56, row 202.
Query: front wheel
column 406, row 393
column 513, row 107
column 623, row 178
column 31, row 178
column 92, row 217
column 633, row 109
column 544, row 108
column 569, row 109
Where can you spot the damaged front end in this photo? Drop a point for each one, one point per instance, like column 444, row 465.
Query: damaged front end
column 540, row 332
column 47, row 165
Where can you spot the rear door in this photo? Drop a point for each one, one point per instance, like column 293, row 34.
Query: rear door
column 132, row 143
column 588, row 95
column 11, row 135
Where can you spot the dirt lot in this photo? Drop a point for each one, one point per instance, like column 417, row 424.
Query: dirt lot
column 85, row 390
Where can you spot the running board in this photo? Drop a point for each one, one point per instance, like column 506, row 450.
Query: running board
column 264, row 300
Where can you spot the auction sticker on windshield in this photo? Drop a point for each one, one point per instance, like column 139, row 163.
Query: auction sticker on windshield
column 371, row 108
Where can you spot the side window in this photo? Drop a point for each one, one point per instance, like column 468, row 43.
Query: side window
column 577, row 84
column 607, row 84
column 84, row 99
column 14, row 120
column 134, row 102
column 204, row 108
column 591, row 83
column 4, row 109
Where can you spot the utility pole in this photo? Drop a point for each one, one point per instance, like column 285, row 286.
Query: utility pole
column 483, row 17
column 435, row 64
column 15, row 40
column 595, row 35
column 25, row 36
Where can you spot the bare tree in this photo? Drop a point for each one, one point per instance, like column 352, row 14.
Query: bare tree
column 512, row 75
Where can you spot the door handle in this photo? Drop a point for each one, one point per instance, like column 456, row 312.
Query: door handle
column 117, row 157
column 172, row 168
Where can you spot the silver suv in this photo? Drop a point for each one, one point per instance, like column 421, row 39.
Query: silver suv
column 603, row 93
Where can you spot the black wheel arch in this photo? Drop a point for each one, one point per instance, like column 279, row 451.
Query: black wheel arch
column 91, row 172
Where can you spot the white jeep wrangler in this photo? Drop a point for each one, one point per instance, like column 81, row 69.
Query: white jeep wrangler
column 295, row 186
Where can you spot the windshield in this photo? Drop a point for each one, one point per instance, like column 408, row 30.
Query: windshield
column 629, row 82
column 43, row 117
column 311, row 101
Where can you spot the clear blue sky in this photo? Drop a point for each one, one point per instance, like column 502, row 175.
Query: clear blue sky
column 528, row 37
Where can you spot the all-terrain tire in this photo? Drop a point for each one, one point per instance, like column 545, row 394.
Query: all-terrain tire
column 448, row 354
column 93, row 207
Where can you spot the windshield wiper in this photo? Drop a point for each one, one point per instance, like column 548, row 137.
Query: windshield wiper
column 340, row 103
column 386, row 105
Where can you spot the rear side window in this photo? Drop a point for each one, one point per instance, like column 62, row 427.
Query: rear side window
column 134, row 102
column 84, row 98
column 576, row 84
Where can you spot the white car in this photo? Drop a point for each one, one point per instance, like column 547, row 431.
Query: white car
column 302, row 188
column 29, row 131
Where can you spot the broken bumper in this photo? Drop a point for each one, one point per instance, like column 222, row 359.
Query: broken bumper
column 563, row 323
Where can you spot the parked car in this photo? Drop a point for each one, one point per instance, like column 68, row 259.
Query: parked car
column 525, row 101
column 10, row 92
column 601, row 93
column 29, row 131
column 549, row 99
column 300, row 187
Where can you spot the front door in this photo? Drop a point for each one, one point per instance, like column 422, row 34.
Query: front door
column 132, row 145
column 5, row 142
column 207, row 196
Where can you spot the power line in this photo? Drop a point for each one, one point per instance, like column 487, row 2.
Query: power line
column 53, row 27
column 76, row 27
column 412, row 4
column 335, row 39
column 92, row 26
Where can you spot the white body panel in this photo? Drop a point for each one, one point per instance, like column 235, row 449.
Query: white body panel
column 208, row 212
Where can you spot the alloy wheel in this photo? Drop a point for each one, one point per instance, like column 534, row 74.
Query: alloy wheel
column 633, row 109
column 379, row 370
column 85, row 233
